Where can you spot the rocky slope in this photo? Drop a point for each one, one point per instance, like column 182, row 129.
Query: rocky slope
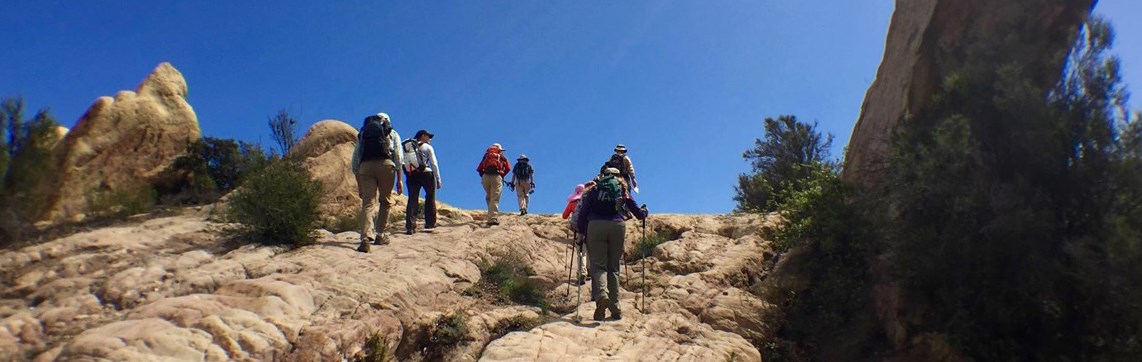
column 174, row 287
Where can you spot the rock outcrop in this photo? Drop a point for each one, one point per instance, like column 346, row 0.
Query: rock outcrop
column 929, row 38
column 123, row 142
column 171, row 288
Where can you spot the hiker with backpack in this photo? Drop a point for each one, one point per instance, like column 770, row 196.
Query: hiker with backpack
column 492, row 169
column 602, row 215
column 572, row 211
column 421, row 171
column 375, row 160
column 523, row 182
column 620, row 161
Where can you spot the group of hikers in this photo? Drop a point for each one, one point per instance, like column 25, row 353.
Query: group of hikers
column 597, row 209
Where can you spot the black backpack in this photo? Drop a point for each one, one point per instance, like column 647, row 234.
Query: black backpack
column 522, row 171
column 374, row 139
column 616, row 161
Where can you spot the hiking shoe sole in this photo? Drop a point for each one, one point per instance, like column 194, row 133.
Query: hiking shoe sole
column 601, row 308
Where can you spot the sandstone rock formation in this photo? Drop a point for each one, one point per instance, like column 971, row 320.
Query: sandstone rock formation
column 326, row 151
column 171, row 288
column 928, row 39
column 122, row 142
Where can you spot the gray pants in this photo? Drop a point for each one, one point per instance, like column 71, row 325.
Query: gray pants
column 605, row 246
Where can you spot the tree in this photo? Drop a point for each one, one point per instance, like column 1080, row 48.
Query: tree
column 778, row 161
column 283, row 127
column 1013, row 218
column 25, row 159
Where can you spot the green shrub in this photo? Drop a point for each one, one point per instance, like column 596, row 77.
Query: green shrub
column 119, row 203
column 378, row 349
column 343, row 223
column 644, row 247
column 508, row 276
column 278, row 205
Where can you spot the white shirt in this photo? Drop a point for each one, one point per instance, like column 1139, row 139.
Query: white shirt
column 428, row 153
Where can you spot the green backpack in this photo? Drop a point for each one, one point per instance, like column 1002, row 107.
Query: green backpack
column 608, row 197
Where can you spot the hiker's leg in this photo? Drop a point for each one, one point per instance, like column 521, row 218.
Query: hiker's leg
column 615, row 233
column 489, row 182
column 429, row 183
column 412, row 181
column 597, row 249
column 367, row 190
column 386, row 177
column 523, row 190
column 497, row 183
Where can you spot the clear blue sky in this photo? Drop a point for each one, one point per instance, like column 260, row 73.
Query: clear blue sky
column 683, row 84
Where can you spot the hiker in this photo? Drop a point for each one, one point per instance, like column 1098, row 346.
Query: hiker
column 602, row 218
column 375, row 160
column 619, row 160
column 492, row 169
column 572, row 211
column 523, row 182
column 421, row 171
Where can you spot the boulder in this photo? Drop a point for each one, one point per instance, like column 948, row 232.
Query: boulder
column 927, row 41
column 122, row 142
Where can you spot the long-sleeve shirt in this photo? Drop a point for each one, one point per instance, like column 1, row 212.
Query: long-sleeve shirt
column 586, row 215
column 428, row 153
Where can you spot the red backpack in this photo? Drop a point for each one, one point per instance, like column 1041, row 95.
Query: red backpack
column 492, row 162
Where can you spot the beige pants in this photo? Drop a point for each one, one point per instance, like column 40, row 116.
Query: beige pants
column 493, row 186
column 375, row 178
column 522, row 190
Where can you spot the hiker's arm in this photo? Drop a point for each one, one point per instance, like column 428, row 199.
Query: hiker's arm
column 355, row 163
column 634, row 209
column 435, row 167
column 630, row 170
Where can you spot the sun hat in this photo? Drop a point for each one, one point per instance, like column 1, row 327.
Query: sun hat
column 577, row 194
column 620, row 148
column 523, row 157
column 497, row 145
column 611, row 171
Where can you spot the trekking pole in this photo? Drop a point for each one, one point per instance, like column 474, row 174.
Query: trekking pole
column 644, row 266
column 579, row 288
column 571, row 260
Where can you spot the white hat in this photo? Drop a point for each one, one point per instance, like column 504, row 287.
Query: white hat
column 384, row 116
column 611, row 171
column 497, row 145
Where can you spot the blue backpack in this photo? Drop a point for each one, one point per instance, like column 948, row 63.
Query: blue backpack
column 522, row 171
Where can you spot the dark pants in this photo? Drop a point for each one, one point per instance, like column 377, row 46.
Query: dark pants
column 417, row 180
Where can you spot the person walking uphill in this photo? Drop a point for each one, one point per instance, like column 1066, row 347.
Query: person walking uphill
column 619, row 160
column 523, row 182
column 492, row 169
column 375, row 161
column 422, row 171
column 602, row 218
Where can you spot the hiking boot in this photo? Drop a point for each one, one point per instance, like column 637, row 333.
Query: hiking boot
column 493, row 222
column 381, row 240
column 429, row 227
column 364, row 247
column 582, row 279
column 601, row 306
column 617, row 315
column 409, row 231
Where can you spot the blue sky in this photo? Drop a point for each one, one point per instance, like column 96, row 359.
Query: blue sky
column 683, row 84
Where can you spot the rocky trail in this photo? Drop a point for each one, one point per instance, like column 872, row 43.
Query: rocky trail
column 170, row 288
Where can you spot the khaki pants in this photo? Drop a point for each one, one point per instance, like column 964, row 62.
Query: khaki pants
column 522, row 190
column 605, row 246
column 493, row 186
column 375, row 178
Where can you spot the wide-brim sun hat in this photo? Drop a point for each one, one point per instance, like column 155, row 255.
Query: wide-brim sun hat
column 522, row 157
column 577, row 194
column 620, row 148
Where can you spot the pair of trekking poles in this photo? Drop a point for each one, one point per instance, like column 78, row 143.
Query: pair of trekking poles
column 577, row 258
